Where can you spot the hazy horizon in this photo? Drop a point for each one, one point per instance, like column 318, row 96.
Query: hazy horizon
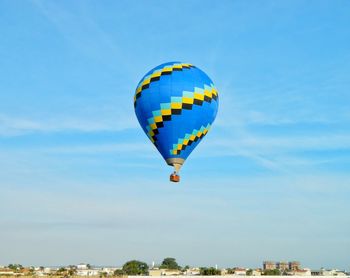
column 80, row 181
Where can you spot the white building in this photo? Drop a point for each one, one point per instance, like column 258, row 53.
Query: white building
column 240, row 271
column 109, row 270
column 332, row 272
column 256, row 272
column 88, row 272
column 192, row 271
column 302, row 272
column 82, row 266
column 7, row 272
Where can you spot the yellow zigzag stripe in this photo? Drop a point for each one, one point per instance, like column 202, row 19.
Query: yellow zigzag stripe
column 156, row 75
column 176, row 105
column 189, row 139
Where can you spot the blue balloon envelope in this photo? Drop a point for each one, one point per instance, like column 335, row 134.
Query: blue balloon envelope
column 176, row 104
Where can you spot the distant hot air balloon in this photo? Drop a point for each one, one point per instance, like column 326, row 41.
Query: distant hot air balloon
column 176, row 104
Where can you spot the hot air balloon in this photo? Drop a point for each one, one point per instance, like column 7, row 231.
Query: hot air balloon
column 176, row 104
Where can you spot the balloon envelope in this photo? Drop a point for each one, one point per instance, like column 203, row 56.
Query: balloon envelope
column 176, row 104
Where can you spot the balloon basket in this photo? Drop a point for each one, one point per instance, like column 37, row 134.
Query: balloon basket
column 174, row 178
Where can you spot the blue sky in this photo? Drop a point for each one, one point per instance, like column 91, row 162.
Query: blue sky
column 80, row 182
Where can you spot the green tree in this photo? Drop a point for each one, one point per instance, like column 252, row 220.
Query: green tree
column 31, row 270
column 170, row 263
column 72, row 270
column 185, row 268
column 249, row 272
column 61, row 270
column 135, row 268
column 272, row 272
column 206, row 271
column 15, row 267
column 119, row 272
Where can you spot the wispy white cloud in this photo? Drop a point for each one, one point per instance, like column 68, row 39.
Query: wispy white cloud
column 297, row 96
column 285, row 143
column 16, row 126
column 276, row 151
column 237, row 110
column 289, row 106
column 102, row 148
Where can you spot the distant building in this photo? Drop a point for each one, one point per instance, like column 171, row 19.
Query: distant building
column 88, row 272
column 269, row 265
column 341, row 273
column 282, row 266
column 294, row 265
column 240, row 271
column 42, row 271
column 192, row 271
column 302, row 272
column 256, row 272
column 109, row 270
column 47, row 270
column 328, row 272
column 315, row 272
column 82, row 266
column 155, row 272
column 164, row 272
column 6, row 271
